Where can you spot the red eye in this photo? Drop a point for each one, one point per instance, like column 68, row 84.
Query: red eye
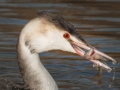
column 66, row 35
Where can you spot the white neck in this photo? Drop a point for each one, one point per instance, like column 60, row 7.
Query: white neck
column 34, row 74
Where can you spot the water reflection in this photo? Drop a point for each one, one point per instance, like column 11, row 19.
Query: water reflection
column 98, row 22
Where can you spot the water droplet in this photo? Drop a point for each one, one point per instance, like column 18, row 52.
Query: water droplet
column 109, row 70
column 113, row 78
column 94, row 65
column 110, row 86
column 114, row 74
column 113, row 62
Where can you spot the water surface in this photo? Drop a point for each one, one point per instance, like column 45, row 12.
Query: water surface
column 97, row 21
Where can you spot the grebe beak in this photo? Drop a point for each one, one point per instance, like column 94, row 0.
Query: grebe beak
column 87, row 51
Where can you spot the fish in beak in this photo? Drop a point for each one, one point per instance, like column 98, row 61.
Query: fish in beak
column 92, row 54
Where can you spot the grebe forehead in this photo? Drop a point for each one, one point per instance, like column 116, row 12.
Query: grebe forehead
column 61, row 23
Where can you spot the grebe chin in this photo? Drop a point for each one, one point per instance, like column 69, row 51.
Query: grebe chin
column 50, row 32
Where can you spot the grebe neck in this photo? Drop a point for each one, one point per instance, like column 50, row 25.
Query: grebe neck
column 34, row 74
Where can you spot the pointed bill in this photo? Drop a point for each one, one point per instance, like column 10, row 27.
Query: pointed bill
column 92, row 54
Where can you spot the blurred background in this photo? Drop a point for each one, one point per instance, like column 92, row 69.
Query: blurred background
column 98, row 21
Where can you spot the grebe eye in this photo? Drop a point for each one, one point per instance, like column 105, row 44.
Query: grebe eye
column 66, row 35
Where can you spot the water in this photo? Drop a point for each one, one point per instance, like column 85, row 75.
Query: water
column 98, row 21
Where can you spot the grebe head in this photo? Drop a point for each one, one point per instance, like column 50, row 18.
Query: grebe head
column 52, row 32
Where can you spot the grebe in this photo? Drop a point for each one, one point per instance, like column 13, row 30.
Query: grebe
column 50, row 32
